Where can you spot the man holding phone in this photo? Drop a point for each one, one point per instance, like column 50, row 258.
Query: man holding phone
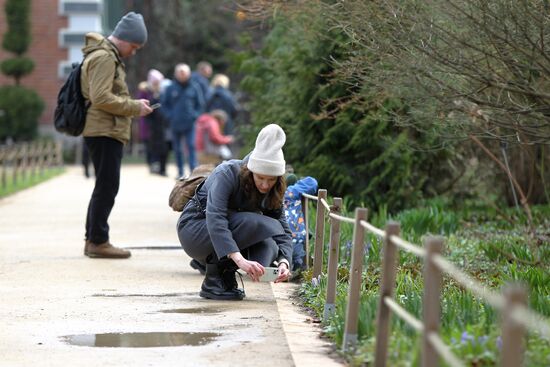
column 108, row 120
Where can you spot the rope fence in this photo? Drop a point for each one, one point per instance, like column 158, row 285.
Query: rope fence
column 516, row 317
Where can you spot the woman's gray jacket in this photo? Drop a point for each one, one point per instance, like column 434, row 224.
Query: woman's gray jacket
column 221, row 217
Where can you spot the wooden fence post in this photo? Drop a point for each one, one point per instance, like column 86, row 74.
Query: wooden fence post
column 53, row 150
column 41, row 148
column 305, row 210
column 35, row 156
column 387, row 286
column 59, row 153
column 319, row 234
column 512, row 332
column 332, row 269
column 431, row 306
column 24, row 161
column 32, row 158
column 37, row 153
column 16, row 154
column 49, row 153
column 355, row 274
column 4, row 162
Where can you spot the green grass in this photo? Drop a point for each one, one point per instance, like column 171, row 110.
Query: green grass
column 23, row 183
column 133, row 159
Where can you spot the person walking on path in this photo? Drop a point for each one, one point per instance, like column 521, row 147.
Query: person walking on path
column 221, row 98
column 144, row 134
column 156, row 124
column 103, row 83
column 201, row 77
column 182, row 103
column 236, row 220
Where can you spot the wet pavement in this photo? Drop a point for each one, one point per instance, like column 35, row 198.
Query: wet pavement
column 58, row 306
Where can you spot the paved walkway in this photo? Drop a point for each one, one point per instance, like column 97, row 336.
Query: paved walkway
column 59, row 307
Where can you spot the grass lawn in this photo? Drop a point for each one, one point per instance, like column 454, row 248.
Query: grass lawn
column 22, row 184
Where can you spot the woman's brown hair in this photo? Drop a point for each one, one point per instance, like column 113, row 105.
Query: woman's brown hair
column 275, row 195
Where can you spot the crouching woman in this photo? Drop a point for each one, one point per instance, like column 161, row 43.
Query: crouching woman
column 236, row 219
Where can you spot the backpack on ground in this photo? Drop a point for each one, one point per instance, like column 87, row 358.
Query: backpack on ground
column 185, row 188
column 70, row 113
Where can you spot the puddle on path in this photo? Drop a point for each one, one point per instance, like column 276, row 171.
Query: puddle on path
column 140, row 340
column 143, row 294
column 195, row 310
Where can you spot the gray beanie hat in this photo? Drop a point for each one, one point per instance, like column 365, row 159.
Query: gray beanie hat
column 267, row 157
column 131, row 28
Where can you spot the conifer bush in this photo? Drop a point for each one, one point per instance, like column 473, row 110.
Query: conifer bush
column 353, row 148
column 20, row 107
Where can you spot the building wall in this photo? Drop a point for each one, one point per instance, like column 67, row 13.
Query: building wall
column 49, row 50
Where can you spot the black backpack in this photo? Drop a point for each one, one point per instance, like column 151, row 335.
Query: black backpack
column 70, row 113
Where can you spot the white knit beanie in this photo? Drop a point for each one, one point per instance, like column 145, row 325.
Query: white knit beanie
column 267, row 157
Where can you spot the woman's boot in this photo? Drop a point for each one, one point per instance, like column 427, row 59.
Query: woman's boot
column 217, row 283
column 228, row 271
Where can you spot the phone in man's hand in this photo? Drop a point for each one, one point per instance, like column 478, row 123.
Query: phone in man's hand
column 155, row 106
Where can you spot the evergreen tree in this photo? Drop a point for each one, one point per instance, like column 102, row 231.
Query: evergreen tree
column 17, row 39
column 353, row 147
column 21, row 107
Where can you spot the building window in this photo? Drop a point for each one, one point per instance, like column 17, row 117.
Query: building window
column 75, row 6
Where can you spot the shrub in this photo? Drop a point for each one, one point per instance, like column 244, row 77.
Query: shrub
column 352, row 147
column 17, row 67
column 17, row 38
column 21, row 108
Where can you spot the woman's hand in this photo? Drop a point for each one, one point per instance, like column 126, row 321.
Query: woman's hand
column 254, row 269
column 284, row 272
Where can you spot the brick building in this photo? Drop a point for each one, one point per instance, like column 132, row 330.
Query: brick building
column 57, row 31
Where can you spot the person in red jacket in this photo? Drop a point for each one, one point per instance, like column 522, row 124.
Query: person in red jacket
column 210, row 143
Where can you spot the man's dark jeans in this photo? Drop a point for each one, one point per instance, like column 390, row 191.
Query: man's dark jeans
column 106, row 155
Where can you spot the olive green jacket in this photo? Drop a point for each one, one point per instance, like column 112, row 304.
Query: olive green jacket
column 103, row 83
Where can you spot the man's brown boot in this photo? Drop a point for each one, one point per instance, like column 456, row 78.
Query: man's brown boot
column 105, row 251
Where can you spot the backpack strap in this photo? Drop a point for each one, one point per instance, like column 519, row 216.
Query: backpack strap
column 195, row 197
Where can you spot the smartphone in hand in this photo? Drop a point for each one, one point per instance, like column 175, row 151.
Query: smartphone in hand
column 155, row 106
column 270, row 274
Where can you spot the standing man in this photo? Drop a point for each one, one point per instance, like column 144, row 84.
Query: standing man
column 201, row 76
column 103, row 83
column 182, row 103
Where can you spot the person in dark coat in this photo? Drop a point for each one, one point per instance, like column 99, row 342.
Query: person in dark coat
column 156, row 124
column 221, row 98
column 236, row 219
column 182, row 103
column 201, row 77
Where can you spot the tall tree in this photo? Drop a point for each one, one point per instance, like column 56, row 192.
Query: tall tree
column 185, row 31
column 465, row 70
column 354, row 149
column 17, row 39
column 21, row 107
